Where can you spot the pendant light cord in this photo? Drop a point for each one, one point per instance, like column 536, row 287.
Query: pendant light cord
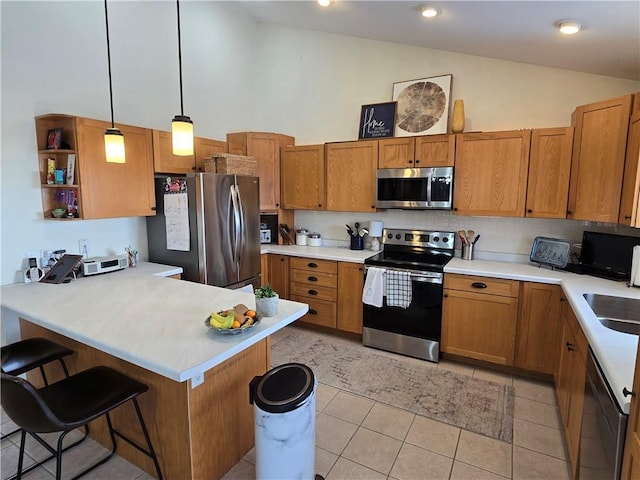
column 179, row 57
column 106, row 18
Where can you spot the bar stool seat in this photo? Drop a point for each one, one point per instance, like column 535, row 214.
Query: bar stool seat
column 71, row 403
column 25, row 355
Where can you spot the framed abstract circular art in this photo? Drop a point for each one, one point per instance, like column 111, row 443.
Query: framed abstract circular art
column 422, row 106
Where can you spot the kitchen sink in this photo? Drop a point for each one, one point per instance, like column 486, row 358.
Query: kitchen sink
column 617, row 313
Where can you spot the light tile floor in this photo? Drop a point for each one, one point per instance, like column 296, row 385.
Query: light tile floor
column 357, row 438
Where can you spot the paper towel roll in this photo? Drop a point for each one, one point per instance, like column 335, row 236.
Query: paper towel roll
column 635, row 267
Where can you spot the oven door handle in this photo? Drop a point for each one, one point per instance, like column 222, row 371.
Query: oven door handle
column 415, row 276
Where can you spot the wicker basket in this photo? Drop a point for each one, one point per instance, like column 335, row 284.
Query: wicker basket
column 230, row 163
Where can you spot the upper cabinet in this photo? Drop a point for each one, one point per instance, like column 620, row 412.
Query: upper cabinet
column 549, row 172
column 114, row 189
column 93, row 188
column 204, row 148
column 490, row 177
column 599, row 147
column 302, row 177
column 164, row 161
column 265, row 147
column 629, row 208
column 416, row 152
column 351, row 175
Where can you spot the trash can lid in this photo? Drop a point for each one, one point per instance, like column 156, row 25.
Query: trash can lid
column 284, row 388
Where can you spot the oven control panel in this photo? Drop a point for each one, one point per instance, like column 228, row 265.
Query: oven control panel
column 419, row 238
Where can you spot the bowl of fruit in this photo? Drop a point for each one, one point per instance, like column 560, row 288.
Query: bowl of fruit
column 233, row 321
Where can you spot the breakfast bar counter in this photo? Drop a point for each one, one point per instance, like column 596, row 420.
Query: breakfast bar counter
column 152, row 328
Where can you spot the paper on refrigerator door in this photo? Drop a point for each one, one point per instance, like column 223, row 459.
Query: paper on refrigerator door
column 176, row 213
column 635, row 267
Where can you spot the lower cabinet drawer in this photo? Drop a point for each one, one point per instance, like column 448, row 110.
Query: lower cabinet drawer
column 313, row 291
column 485, row 285
column 314, row 278
column 321, row 312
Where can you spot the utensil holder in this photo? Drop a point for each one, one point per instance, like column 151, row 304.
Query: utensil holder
column 357, row 242
column 467, row 251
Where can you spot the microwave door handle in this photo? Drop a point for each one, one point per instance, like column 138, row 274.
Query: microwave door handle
column 429, row 182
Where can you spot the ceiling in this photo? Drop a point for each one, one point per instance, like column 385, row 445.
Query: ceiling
column 520, row 31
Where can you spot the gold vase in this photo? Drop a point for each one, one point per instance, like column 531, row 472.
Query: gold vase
column 457, row 119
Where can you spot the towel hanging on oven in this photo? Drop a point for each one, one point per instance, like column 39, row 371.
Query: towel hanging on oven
column 373, row 291
column 398, row 289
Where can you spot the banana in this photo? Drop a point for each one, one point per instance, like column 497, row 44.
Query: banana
column 221, row 321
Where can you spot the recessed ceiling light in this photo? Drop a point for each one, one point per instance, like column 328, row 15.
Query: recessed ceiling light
column 429, row 11
column 324, row 3
column 568, row 28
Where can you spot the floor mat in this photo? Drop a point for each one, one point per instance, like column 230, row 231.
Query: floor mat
column 473, row 404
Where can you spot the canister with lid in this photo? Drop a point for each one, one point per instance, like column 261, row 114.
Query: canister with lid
column 301, row 236
column 314, row 240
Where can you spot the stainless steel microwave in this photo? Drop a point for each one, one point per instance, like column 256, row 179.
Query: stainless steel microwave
column 415, row 188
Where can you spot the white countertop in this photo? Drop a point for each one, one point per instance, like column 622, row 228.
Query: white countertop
column 615, row 351
column 341, row 254
column 137, row 315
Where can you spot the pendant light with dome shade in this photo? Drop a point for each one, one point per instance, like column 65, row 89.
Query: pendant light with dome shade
column 181, row 125
column 113, row 138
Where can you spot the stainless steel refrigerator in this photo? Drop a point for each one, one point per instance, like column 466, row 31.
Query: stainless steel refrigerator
column 223, row 243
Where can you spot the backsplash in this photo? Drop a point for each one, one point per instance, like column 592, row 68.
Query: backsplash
column 501, row 238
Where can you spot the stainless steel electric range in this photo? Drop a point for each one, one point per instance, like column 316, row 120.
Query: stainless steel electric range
column 414, row 330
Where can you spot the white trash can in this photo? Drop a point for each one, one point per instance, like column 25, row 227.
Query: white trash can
column 284, row 404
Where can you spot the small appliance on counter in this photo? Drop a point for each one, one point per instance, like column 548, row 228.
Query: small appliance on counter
column 98, row 265
column 265, row 233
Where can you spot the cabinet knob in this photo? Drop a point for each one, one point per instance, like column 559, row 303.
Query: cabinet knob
column 570, row 347
column 455, row 209
column 320, row 205
column 312, row 279
column 628, row 393
column 446, row 295
column 569, row 212
column 193, row 168
column 312, row 265
column 627, row 217
column 312, row 292
column 529, row 211
column 153, row 208
column 278, row 205
column 562, row 299
column 312, row 312
column 479, row 285
column 410, row 162
column 282, row 259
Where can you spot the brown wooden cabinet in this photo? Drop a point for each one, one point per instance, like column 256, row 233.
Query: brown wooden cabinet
column 570, row 382
column 599, row 148
column 479, row 318
column 265, row 147
column 302, row 177
column 114, row 189
column 538, row 325
column 490, row 177
column 351, row 175
column 631, row 460
column 350, row 285
column 416, row 152
column 630, row 198
column 204, row 148
column 314, row 282
column 549, row 172
column 164, row 161
column 278, row 274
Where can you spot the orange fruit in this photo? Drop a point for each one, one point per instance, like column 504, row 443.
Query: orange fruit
column 235, row 324
column 251, row 313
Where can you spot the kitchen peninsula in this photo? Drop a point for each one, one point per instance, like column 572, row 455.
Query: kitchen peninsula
column 152, row 328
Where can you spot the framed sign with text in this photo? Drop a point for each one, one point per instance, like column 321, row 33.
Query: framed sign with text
column 377, row 120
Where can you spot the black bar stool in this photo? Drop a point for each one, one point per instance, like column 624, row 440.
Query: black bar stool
column 20, row 357
column 71, row 403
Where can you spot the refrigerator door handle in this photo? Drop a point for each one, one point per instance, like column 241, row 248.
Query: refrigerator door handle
column 236, row 224
column 243, row 228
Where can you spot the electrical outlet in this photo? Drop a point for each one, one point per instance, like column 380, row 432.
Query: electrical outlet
column 197, row 380
column 83, row 247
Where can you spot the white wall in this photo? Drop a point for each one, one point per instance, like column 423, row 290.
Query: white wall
column 238, row 75
column 54, row 61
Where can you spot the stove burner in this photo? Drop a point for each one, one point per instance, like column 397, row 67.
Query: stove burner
column 415, row 250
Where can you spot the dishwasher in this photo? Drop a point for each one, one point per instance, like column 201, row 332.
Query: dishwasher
column 604, row 427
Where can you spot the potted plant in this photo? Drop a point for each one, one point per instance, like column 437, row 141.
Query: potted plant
column 266, row 301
